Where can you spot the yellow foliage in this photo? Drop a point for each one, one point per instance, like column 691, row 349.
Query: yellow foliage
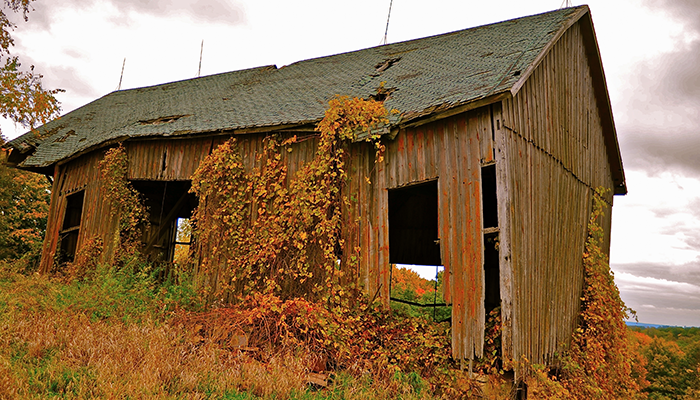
column 260, row 233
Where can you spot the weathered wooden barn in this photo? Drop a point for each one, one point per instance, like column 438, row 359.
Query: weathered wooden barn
column 502, row 134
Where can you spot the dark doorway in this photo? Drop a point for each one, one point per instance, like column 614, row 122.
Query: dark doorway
column 413, row 225
column 70, row 229
column 167, row 202
column 489, row 200
column 492, row 279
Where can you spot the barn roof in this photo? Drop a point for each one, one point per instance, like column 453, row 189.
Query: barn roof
column 425, row 76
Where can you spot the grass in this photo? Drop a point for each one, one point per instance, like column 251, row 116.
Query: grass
column 120, row 335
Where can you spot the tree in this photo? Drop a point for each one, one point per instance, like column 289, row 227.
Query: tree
column 23, row 99
column 24, row 206
column 24, row 196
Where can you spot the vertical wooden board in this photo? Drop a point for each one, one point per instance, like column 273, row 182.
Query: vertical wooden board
column 398, row 172
column 455, row 245
column 504, row 217
column 444, row 217
column 365, row 224
column 392, row 158
column 48, row 248
column 348, row 192
column 420, row 147
column 485, row 135
column 430, row 152
column 383, row 234
column 372, row 227
column 472, row 160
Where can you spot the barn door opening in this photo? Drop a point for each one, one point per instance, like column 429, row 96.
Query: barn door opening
column 414, row 251
column 70, row 229
column 492, row 280
column 170, row 206
column 413, row 225
column 492, row 289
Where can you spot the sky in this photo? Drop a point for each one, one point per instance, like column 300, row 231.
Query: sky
column 650, row 51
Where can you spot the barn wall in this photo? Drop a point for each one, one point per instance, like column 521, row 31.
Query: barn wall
column 553, row 150
column 452, row 151
column 96, row 220
column 250, row 146
column 170, row 159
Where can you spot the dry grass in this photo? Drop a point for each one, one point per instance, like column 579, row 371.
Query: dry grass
column 110, row 340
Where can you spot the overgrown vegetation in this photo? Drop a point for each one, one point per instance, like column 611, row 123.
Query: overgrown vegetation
column 122, row 334
column 280, row 317
column 125, row 203
column 671, row 357
column 24, row 207
column 275, row 234
column 409, row 286
column 601, row 362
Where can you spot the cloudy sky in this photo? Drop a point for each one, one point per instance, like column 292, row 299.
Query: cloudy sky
column 650, row 51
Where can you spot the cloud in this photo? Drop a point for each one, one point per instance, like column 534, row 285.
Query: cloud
column 205, row 10
column 683, row 274
column 661, row 128
column 686, row 10
column 658, row 300
column 212, row 11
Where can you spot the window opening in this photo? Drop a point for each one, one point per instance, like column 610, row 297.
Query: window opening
column 492, row 279
column 416, row 283
column 70, row 229
column 492, row 294
column 183, row 241
column 413, row 225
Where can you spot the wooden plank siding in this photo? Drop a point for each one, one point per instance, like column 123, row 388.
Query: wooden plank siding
column 166, row 160
column 96, row 220
column 549, row 150
column 449, row 151
column 552, row 154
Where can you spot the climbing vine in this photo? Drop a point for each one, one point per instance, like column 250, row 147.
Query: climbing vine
column 126, row 204
column 260, row 230
column 600, row 362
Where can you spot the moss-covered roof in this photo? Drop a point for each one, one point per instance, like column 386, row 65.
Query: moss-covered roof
column 425, row 75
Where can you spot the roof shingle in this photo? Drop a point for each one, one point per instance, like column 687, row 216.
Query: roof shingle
column 438, row 72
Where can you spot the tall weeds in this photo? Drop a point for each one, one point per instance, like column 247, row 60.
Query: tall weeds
column 123, row 335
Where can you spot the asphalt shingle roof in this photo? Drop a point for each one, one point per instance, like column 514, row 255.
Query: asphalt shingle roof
column 429, row 74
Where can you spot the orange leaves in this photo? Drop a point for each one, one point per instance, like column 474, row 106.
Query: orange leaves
column 599, row 364
column 276, row 234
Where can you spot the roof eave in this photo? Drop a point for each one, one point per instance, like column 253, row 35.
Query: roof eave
column 428, row 116
column 600, row 88
column 302, row 126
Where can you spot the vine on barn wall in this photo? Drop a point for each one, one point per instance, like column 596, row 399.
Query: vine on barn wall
column 258, row 233
column 601, row 362
column 126, row 203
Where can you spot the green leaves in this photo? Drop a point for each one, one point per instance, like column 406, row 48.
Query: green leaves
column 24, row 206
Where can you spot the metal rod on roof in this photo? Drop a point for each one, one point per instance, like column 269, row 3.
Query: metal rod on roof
column 565, row 4
column 386, row 31
column 201, row 50
column 119, row 87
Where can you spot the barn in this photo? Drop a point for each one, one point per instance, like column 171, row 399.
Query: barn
column 502, row 133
